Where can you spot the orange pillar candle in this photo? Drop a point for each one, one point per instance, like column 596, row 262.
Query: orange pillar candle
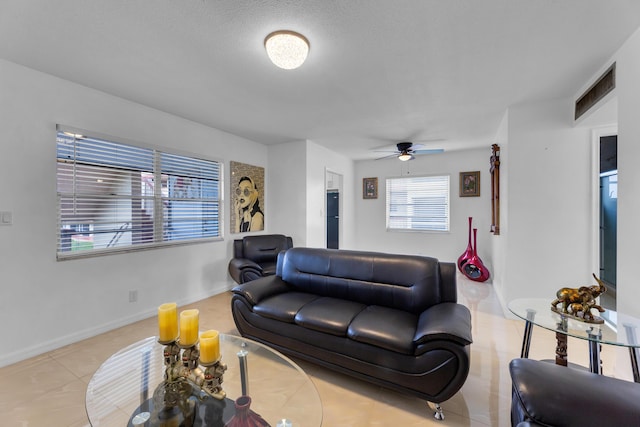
column 168, row 322
column 189, row 327
column 209, row 347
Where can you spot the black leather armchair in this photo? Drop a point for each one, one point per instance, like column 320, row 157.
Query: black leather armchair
column 256, row 256
column 546, row 394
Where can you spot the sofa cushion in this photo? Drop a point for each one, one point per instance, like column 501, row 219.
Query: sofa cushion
column 329, row 315
column 385, row 327
column 405, row 282
column 284, row 306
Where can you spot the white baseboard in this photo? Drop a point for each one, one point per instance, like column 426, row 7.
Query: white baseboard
column 41, row 348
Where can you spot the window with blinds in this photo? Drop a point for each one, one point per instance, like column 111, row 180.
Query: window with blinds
column 418, row 203
column 117, row 197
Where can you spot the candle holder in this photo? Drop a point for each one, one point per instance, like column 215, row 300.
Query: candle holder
column 213, row 374
column 185, row 383
column 208, row 380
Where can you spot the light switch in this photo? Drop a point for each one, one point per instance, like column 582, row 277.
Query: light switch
column 6, row 218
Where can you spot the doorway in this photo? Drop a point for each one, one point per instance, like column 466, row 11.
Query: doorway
column 608, row 221
column 333, row 186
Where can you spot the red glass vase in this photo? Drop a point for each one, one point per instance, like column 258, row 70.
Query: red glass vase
column 244, row 416
column 474, row 269
column 468, row 254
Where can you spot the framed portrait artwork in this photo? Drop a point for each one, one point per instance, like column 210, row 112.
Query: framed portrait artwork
column 470, row 184
column 369, row 188
column 247, row 198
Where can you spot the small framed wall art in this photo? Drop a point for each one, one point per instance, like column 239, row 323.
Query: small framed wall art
column 369, row 188
column 470, row 184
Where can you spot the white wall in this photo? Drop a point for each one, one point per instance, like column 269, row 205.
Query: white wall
column 45, row 304
column 628, row 94
column 548, row 201
column 297, row 186
column 371, row 233
column 318, row 160
column 287, row 189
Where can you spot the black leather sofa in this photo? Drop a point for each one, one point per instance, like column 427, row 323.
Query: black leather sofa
column 389, row 319
column 546, row 394
column 256, row 256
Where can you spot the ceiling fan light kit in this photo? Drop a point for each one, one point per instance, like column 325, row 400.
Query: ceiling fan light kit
column 405, row 156
column 287, row 49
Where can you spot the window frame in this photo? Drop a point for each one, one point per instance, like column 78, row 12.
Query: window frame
column 388, row 205
column 156, row 199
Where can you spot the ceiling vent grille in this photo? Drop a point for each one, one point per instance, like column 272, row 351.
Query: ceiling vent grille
column 605, row 84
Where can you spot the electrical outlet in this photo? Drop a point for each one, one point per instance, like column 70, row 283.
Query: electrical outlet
column 6, row 218
column 133, row 296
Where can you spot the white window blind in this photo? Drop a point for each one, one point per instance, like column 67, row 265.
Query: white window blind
column 114, row 196
column 418, row 203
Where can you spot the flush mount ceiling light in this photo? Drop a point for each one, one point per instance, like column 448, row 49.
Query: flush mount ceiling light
column 287, row 49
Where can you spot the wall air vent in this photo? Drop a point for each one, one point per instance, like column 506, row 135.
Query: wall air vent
column 605, row 84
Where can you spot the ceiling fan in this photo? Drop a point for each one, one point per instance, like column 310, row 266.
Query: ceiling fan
column 408, row 150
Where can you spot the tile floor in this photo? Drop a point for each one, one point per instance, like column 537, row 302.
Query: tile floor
column 49, row 390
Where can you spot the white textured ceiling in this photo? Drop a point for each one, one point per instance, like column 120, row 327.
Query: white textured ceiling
column 378, row 72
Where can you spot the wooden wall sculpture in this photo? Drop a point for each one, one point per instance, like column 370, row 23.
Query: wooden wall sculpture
column 495, row 189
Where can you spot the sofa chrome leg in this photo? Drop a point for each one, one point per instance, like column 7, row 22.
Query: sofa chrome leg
column 439, row 415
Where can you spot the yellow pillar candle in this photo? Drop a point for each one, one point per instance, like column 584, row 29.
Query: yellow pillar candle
column 168, row 322
column 209, row 347
column 189, row 327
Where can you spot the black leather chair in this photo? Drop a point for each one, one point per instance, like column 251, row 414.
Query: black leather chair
column 256, row 256
column 546, row 394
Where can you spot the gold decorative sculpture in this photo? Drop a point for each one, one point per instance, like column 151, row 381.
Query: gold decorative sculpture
column 578, row 302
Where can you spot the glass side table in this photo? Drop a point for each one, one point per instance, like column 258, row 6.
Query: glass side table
column 537, row 312
column 119, row 392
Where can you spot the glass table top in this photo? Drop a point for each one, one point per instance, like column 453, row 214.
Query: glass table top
column 279, row 389
column 538, row 311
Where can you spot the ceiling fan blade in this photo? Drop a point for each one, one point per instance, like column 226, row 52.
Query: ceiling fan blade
column 430, row 140
column 387, row 157
column 430, row 151
column 386, row 151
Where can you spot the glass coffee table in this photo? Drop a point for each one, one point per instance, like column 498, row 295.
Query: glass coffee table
column 120, row 392
column 537, row 312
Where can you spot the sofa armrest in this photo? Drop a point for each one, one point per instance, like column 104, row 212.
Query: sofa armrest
column 243, row 270
column 444, row 321
column 242, row 263
column 261, row 289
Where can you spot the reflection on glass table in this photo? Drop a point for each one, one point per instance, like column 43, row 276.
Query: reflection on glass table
column 537, row 312
column 121, row 391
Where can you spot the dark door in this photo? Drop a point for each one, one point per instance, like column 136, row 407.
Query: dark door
column 333, row 219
